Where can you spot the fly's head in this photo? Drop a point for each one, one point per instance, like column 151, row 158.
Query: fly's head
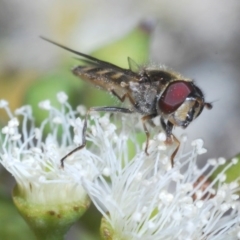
column 181, row 102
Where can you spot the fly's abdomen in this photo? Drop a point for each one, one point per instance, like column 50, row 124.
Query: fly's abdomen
column 103, row 77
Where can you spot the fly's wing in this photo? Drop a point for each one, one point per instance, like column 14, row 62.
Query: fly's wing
column 133, row 65
column 102, row 74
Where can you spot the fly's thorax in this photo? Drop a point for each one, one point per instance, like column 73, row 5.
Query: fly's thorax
column 144, row 95
column 164, row 77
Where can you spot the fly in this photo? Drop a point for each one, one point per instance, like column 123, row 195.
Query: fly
column 152, row 92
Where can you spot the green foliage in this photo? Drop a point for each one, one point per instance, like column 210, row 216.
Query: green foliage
column 12, row 224
column 232, row 174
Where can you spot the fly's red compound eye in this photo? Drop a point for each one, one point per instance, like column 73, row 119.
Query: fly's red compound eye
column 174, row 95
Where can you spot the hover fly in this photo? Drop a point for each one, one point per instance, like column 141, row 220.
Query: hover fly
column 151, row 92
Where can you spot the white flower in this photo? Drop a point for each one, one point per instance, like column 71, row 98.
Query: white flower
column 141, row 197
column 145, row 198
column 34, row 159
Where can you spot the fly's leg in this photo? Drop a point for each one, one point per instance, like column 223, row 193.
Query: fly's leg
column 175, row 151
column 122, row 98
column 147, row 118
column 93, row 109
column 168, row 129
column 83, row 141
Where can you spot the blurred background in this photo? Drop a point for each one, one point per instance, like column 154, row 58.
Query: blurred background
column 199, row 39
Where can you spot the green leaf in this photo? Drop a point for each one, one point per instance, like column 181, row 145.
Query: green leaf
column 134, row 45
column 232, row 173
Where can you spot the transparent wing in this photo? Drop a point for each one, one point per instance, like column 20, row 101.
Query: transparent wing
column 103, row 74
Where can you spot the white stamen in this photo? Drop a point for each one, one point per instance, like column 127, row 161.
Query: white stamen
column 212, row 162
column 161, row 137
column 137, row 216
column 62, row 97
column 3, row 103
column 57, row 120
column 16, row 137
column 106, row 172
column 234, row 160
column 221, row 161
column 13, row 123
column 82, row 110
column 46, row 105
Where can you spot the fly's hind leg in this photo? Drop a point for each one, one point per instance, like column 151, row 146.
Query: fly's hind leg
column 93, row 109
column 170, row 138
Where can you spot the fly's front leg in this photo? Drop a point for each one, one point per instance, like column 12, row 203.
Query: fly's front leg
column 168, row 129
column 93, row 109
column 145, row 119
column 175, row 151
